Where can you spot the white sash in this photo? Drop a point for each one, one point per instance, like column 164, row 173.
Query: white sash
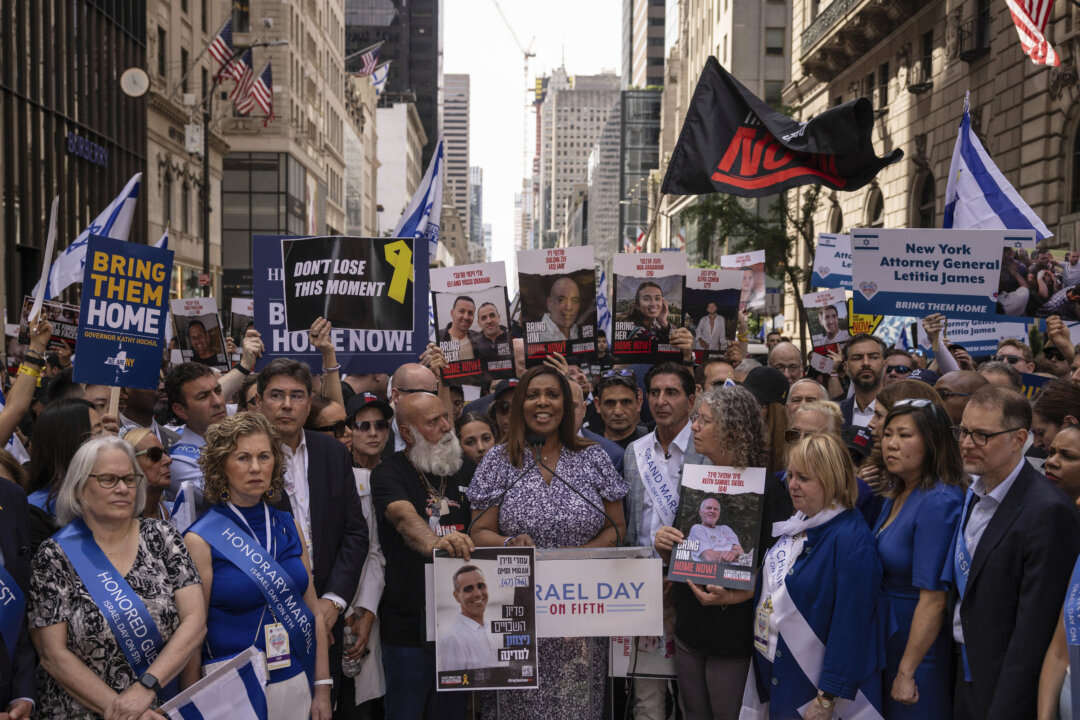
column 665, row 498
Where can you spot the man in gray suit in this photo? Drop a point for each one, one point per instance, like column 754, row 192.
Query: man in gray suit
column 653, row 467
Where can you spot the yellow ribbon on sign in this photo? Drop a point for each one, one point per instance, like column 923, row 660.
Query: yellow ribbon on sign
column 399, row 255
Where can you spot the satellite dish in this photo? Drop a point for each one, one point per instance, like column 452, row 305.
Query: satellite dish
column 135, row 82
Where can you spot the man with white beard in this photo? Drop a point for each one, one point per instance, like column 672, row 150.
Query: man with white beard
column 420, row 503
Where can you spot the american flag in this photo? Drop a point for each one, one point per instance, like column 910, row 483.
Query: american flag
column 245, row 74
column 369, row 58
column 221, row 49
column 263, row 93
column 1030, row 18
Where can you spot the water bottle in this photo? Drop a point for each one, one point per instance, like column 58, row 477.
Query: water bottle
column 350, row 667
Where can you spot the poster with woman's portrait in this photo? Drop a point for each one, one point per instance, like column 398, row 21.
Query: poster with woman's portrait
column 720, row 518
column 558, row 303
column 198, row 331
column 830, row 325
column 471, row 322
column 752, row 265
column 711, row 304
column 648, row 305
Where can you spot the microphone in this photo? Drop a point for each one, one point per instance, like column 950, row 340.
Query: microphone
column 536, row 442
column 594, row 506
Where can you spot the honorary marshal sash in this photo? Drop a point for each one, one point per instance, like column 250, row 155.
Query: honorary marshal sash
column 665, row 497
column 12, row 610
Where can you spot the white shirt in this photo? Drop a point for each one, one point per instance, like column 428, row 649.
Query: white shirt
column 552, row 332
column 399, row 444
column 711, row 333
column 296, row 486
column 862, row 418
column 980, row 517
column 671, row 469
column 468, row 646
column 1070, row 275
column 720, row 538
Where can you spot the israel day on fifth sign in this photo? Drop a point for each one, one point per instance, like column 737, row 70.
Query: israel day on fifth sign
column 919, row 272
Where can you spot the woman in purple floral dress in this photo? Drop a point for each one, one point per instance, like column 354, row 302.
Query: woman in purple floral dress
column 537, row 509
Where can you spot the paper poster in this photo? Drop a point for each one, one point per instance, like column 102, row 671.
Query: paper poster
column 355, row 283
column 650, row 657
column 558, row 303
column 198, row 331
column 978, row 337
column 711, row 301
column 720, row 516
column 648, row 305
column 241, row 319
column 471, row 321
column 753, row 266
column 358, row 351
column 63, row 317
column 961, row 273
column 485, row 621
column 832, row 262
column 125, row 296
column 828, row 320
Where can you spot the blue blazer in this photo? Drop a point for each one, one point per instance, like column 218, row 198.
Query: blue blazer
column 16, row 674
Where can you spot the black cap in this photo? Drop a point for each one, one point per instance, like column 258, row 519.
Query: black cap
column 363, row 400
column 504, row 385
column 859, row 441
column 766, row 384
column 927, row 376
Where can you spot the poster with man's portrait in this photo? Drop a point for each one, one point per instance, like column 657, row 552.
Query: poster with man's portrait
column 198, row 331
column 558, row 303
column 241, row 319
column 711, row 302
column 648, row 305
column 485, row 620
column 752, row 265
column 830, row 325
column 472, row 322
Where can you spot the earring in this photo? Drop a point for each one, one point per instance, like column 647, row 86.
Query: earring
column 225, row 494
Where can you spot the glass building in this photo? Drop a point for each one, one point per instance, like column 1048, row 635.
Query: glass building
column 640, row 155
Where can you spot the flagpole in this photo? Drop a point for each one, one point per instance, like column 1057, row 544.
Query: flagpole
column 187, row 71
column 369, row 48
column 656, row 214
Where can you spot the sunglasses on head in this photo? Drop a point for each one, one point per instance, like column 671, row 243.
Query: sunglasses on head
column 625, row 372
column 154, row 453
column 337, row 429
column 900, row 369
column 365, row 425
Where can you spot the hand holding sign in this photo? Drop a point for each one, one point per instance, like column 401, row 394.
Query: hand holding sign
column 41, row 330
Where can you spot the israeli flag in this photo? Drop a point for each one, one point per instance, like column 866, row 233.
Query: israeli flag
column 235, row 690
column 379, row 78
column 421, row 217
column 163, row 244
column 114, row 222
column 163, row 241
column 603, row 311
column 184, row 512
column 978, row 196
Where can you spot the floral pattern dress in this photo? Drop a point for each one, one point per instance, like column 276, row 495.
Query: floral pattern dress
column 572, row 671
column 57, row 594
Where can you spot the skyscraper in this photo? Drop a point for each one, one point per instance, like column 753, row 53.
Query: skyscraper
column 476, row 212
column 455, row 113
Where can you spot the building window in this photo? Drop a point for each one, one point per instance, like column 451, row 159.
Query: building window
column 773, row 90
column 162, row 51
column 204, row 16
column 185, row 207
column 927, row 55
column 241, row 16
column 166, row 199
column 926, row 212
column 184, row 6
column 882, row 95
column 774, row 41
column 875, row 209
column 184, row 69
column 836, row 220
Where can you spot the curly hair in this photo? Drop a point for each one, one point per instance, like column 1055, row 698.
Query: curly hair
column 737, row 415
column 221, row 440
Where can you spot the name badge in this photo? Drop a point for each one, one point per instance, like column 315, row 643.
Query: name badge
column 277, row 647
column 761, row 629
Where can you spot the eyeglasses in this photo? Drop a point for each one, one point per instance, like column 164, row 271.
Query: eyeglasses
column 365, row 426
column 154, row 453
column 297, row 397
column 899, row 369
column 946, row 394
column 913, row 402
column 1011, row 359
column 1052, row 353
column 625, row 372
column 338, row 428
column 108, row 482
column 979, row 438
column 503, row 406
column 694, row 417
column 794, row 435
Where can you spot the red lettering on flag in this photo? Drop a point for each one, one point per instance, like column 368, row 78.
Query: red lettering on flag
column 756, row 147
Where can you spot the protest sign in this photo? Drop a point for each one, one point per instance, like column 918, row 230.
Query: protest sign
column 711, row 302
column 241, row 319
column 358, row 351
column 355, row 283
column 648, row 305
column 1031, row 385
column 125, row 297
column 720, row 517
column 832, row 262
column 558, row 302
column 827, row 317
column 978, row 337
column 471, row 318
column 649, row 657
column 753, row 266
column 198, row 331
column 64, row 319
column 485, row 620
column 960, row 273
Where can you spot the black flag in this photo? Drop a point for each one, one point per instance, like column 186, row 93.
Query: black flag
column 734, row 143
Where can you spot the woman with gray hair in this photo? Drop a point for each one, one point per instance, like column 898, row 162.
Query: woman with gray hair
column 714, row 642
column 106, row 578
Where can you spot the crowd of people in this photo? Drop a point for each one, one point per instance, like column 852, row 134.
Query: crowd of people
column 919, row 528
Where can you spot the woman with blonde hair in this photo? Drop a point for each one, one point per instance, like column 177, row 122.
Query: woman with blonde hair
column 154, row 463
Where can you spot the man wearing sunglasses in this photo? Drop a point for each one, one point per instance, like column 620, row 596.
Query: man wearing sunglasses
column 898, row 366
column 1017, row 354
column 1004, row 610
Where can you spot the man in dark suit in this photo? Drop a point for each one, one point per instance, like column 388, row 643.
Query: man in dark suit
column 17, row 694
column 1012, row 557
column 320, row 492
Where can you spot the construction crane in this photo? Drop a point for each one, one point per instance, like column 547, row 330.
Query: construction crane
column 526, row 54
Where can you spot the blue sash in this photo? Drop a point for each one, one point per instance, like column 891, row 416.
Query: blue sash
column 282, row 596
column 961, row 568
column 186, row 451
column 1072, row 637
column 123, row 610
column 12, row 610
column 40, row 500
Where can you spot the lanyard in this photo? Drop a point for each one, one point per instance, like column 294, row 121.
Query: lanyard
column 266, row 511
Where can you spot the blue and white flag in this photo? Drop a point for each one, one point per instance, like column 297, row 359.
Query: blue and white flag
column 603, row 310
column 978, row 196
column 114, row 222
column 163, row 244
column 379, row 78
column 163, row 241
column 235, row 690
column 421, row 217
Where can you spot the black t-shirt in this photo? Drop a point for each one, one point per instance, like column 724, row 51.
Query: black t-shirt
column 402, row 607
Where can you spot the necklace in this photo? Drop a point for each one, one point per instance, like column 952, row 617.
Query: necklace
column 120, row 546
column 437, row 498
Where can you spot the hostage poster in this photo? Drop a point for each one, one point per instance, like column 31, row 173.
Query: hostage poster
column 829, row 322
column 64, row 319
column 485, row 620
column 125, row 296
column 558, row 303
column 648, row 305
column 711, row 303
column 752, row 265
column 198, row 332
column 471, row 322
column 374, row 350
column 720, row 517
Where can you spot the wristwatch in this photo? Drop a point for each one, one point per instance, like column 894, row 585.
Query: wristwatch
column 149, row 681
column 826, row 700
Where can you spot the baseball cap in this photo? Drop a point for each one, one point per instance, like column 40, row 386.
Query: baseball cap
column 504, row 385
column 927, row 376
column 364, row 400
column 859, row 441
column 766, row 384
